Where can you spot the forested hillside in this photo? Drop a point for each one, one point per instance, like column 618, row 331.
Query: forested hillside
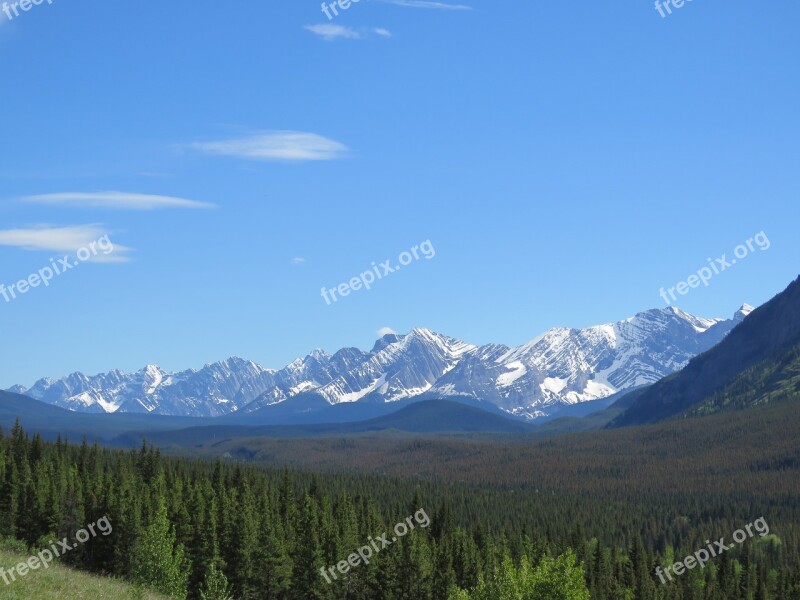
column 216, row 530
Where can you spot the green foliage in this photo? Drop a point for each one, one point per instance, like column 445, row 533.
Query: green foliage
column 215, row 586
column 551, row 579
column 13, row 545
column 559, row 579
column 158, row 561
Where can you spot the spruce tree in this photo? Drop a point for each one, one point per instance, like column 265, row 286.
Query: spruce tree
column 158, row 561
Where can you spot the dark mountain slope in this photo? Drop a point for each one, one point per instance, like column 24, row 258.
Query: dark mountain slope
column 430, row 416
column 51, row 421
column 757, row 356
column 771, row 380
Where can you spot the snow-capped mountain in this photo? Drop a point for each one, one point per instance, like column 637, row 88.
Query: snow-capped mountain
column 399, row 366
column 213, row 390
column 562, row 366
column 567, row 366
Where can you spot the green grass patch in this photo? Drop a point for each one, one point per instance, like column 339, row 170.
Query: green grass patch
column 60, row 583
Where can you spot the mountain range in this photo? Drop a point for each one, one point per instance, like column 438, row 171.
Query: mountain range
column 560, row 368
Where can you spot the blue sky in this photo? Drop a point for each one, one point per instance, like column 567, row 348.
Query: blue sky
column 565, row 160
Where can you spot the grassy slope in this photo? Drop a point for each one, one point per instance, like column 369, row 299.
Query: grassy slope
column 59, row 583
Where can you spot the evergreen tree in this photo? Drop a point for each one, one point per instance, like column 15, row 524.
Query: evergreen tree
column 307, row 582
column 158, row 562
column 215, row 585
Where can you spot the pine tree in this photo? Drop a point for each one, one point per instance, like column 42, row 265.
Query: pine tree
column 307, row 583
column 245, row 567
column 159, row 562
column 215, row 585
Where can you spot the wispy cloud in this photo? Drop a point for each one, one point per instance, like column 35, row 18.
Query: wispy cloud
column 298, row 260
column 428, row 4
column 277, row 145
column 45, row 238
column 386, row 331
column 114, row 200
column 330, row 32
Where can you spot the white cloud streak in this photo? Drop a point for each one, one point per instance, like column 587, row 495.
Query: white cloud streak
column 430, row 4
column 330, row 32
column 45, row 238
column 277, row 146
column 114, row 200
